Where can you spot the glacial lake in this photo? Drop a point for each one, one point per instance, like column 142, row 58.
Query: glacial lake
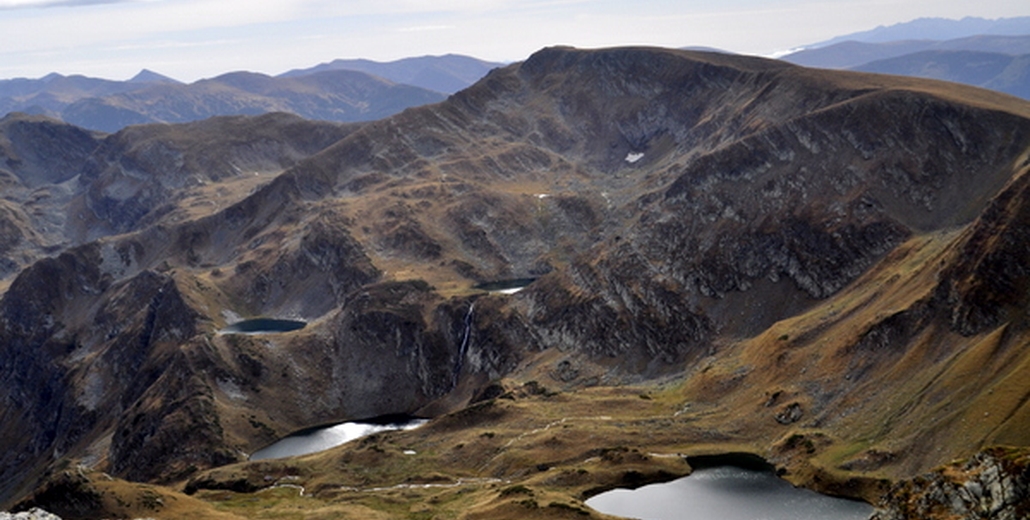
column 314, row 440
column 727, row 493
column 505, row 286
column 263, row 326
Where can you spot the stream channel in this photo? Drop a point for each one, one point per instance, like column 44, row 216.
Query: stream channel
column 727, row 492
column 318, row 439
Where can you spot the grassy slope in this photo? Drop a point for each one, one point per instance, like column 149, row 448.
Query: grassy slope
column 540, row 447
column 869, row 417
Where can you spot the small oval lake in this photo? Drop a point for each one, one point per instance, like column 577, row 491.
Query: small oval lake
column 505, row 286
column 263, row 326
column 727, row 493
column 318, row 439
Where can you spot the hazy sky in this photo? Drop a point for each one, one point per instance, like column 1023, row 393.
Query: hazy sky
column 192, row 39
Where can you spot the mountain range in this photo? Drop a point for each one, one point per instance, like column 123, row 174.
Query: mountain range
column 448, row 74
column 996, row 62
column 723, row 254
column 342, row 91
column 936, row 29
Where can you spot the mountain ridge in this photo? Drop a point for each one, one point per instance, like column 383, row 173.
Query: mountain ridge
column 851, row 53
column 342, row 96
column 1000, row 72
column 370, row 90
column 994, row 62
column 718, row 218
column 938, row 29
column 448, row 73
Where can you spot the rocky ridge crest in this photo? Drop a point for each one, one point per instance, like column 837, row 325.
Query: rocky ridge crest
column 991, row 484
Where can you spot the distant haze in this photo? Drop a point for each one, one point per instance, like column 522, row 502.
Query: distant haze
column 192, row 39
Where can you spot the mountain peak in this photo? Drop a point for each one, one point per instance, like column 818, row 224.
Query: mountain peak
column 149, row 76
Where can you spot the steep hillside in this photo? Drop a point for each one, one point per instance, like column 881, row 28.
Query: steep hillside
column 39, row 162
column 64, row 185
column 1000, row 72
column 826, row 269
column 162, row 173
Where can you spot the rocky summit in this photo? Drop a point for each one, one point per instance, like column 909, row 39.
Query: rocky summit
column 721, row 254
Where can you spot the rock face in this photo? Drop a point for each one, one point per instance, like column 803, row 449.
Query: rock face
column 668, row 203
column 32, row 514
column 137, row 176
column 40, row 159
column 994, row 484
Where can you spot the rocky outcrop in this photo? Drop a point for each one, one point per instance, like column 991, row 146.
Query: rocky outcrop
column 989, row 277
column 39, row 150
column 70, row 494
column 993, row 484
column 32, row 514
column 135, row 177
column 40, row 159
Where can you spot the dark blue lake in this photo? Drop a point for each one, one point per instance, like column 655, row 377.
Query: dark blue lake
column 263, row 326
column 505, row 286
column 727, row 493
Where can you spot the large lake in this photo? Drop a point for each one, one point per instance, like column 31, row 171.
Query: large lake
column 727, row 493
column 319, row 439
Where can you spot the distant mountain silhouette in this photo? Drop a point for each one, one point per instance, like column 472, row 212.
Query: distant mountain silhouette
column 343, row 91
column 342, row 96
column 989, row 61
column 936, row 29
column 149, row 76
column 1001, row 72
column 853, row 53
column 51, row 93
column 448, row 74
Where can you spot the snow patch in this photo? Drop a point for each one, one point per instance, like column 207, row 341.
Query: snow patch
column 231, row 317
column 231, row 389
column 92, row 390
column 634, row 157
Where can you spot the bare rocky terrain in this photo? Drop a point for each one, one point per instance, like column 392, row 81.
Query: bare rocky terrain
column 826, row 269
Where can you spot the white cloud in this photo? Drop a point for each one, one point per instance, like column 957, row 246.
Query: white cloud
column 425, row 28
column 201, row 38
column 29, row 4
